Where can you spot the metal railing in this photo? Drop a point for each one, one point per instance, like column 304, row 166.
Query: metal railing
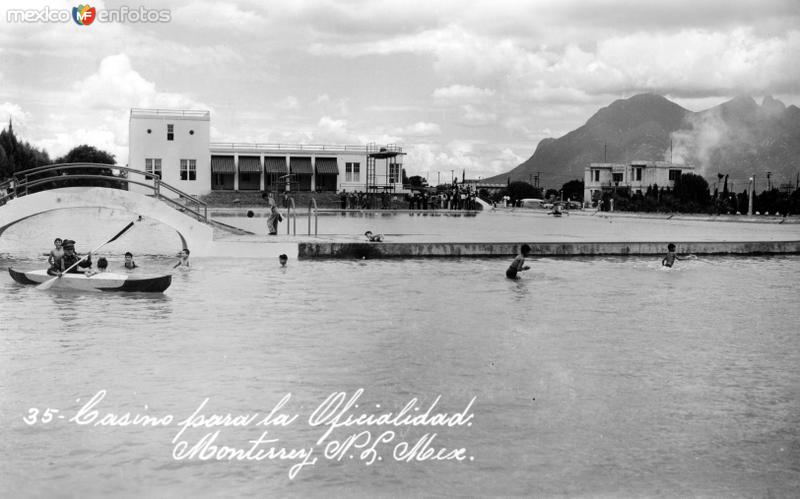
column 25, row 180
column 217, row 147
column 291, row 215
column 138, row 112
column 312, row 202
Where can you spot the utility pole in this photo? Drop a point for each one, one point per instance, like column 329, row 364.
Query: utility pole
column 605, row 151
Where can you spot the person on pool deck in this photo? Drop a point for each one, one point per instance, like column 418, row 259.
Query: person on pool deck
column 273, row 220
column 56, row 254
column 671, row 256
column 102, row 266
column 518, row 264
column 70, row 258
column 184, row 259
column 373, row 238
column 129, row 263
column 282, row 259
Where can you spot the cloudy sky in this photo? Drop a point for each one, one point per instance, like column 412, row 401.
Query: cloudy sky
column 460, row 84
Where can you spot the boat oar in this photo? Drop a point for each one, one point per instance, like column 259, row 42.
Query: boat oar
column 49, row 283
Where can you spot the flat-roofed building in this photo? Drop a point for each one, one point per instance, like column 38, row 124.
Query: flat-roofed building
column 635, row 176
column 172, row 144
column 175, row 145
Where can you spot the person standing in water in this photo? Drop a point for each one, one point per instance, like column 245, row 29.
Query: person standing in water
column 671, row 256
column 273, row 220
column 518, row 264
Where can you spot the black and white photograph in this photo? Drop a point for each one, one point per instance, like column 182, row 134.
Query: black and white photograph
column 349, row 248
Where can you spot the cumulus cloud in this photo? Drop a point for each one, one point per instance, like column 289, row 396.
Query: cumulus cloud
column 15, row 114
column 462, row 93
column 419, row 129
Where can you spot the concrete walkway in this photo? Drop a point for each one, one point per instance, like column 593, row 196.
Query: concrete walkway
column 501, row 234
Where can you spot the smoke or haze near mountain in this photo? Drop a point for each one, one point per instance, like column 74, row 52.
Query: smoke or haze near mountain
column 739, row 138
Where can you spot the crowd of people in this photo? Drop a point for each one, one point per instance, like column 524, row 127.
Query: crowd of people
column 63, row 259
column 454, row 197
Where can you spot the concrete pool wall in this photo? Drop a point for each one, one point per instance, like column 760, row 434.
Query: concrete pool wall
column 346, row 250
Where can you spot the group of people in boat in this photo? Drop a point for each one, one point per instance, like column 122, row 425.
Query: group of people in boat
column 63, row 259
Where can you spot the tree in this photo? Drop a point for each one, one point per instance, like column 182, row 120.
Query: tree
column 573, row 190
column 5, row 164
column 19, row 155
column 417, row 181
column 521, row 190
column 692, row 189
column 86, row 154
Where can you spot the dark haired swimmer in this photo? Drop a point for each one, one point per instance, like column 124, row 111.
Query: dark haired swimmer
column 373, row 238
column 184, row 259
column 671, row 256
column 518, row 264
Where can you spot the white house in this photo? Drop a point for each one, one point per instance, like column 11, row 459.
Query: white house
column 635, row 176
column 175, row 144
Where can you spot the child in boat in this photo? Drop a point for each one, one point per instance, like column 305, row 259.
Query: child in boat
column 184, row 259
column 669, row 260
column 56, row 254
column 373, row 238
column 129, row 263
column 282, row 259
column 518, row 264
column 102, row 266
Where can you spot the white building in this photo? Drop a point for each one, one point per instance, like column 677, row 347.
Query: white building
column 175, row 144
column 635, row 176
column 172, row 144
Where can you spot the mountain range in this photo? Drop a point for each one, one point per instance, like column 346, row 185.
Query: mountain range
column 739, row 138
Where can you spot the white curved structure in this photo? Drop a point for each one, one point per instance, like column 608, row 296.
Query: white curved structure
column 194, row 234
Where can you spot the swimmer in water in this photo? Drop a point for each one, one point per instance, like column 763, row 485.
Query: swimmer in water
column 518, row 264
column 671, row 256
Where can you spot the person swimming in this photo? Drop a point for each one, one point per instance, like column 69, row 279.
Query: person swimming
column 671, row 256
column 518, row 264
column 129, row 263
column 373, row 238
column 184, row 259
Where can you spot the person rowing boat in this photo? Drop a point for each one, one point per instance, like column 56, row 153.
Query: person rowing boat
column 69, row 260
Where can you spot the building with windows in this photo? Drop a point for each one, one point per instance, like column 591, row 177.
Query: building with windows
column 635, row 176
column 176, row 146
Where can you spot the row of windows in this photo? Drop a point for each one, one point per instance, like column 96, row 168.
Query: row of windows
column 188, row 169
column 636, row 173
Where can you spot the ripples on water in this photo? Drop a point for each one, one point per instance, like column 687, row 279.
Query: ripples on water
column 646, row 381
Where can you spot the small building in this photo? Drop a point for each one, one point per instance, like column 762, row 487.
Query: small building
column 635, row 176
column 175, row 146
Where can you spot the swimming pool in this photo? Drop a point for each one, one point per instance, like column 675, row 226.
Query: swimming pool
column 606, row 376
column 519, row 225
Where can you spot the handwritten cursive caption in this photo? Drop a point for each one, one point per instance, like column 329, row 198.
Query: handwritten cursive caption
column 346, row 431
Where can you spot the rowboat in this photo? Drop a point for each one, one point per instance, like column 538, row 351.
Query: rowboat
column 104, row 281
